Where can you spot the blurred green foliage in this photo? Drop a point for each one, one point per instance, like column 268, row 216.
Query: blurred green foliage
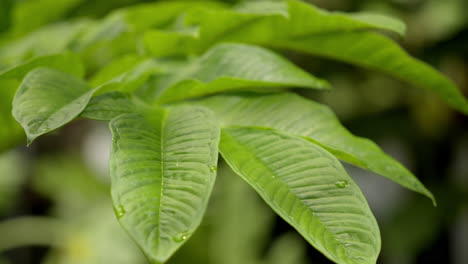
column 371, row 105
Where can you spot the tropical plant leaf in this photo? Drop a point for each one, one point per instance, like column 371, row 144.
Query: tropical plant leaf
column 47, row 99
column 386, row 56
column 232, row 67
column 298, row 116
column 261, row 22
column 163, row 167
column 308, row 187
column 311, row 30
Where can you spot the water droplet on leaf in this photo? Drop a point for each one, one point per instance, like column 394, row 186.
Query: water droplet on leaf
column 182, row 237
column 213, row 169
column 119, row 211
column 341, row 184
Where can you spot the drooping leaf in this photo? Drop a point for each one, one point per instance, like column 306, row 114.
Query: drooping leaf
column 308, row 187
column 260, row 22
column 232, row 67
column 163, row 166
column 298, row 116
column 47, row 99
column 377, row 52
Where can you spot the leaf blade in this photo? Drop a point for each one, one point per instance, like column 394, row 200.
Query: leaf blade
column 301, row 182
column 388, row 57
column 162, row 175
column 48, row 99
column 295, row 115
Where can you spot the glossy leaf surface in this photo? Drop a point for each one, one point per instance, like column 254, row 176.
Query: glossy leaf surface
column 298, row 116
column 47, row 99
column 163, row 167
column 308, row 187
column 235, row 66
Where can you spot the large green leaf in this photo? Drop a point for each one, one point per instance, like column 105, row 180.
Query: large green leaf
column 235, row 66
column 47, row 99
column 373, row 51
column 297, row 116
column 308, row 29
column 308, row 187
column 163, row 166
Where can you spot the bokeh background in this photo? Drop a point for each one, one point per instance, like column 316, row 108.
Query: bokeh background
column 55, row 193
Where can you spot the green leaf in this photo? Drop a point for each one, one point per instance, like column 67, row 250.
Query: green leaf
column 47, row 99
column 308, row 187
column 311, row 30
column 232, row 67
column 163, row 167
column 106, row 107
column 298, row 116
column 66, row 62
column 377, row 52
column 260, row 22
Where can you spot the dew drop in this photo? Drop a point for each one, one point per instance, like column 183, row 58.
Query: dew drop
column 213, row 169
column 341, row 184
column 119, row 211
column 182, row 237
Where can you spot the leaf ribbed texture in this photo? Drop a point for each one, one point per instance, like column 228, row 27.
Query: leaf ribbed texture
column 47, row 99
column 163, row 167
column 308, row 188
column 298, row 116
column 235, row 66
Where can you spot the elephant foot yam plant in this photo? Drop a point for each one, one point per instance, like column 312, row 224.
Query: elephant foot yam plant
column 182, row 82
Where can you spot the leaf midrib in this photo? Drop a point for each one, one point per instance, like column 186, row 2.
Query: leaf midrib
column 163, row 125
